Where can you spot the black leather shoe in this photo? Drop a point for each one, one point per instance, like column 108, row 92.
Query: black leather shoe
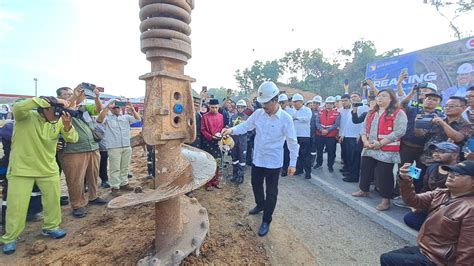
column 331, row 170
column 98, row 201
column 346, row 174
column 255, row 210
column 284, row 174
column 308, row 176
column 79, row 213
column 318, row 166
column 298, row 173
column 350, row 180
column 343, row 170
column 263, row 229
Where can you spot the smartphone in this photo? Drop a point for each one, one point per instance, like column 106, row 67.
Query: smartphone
column 414, row 172
column 405, row 71
column 357, row 104
column 120, row 104
column 346, row 82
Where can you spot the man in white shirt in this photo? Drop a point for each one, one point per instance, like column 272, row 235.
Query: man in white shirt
column 350, row 137
column 345, row 113
column 283, row 101
column 302, row 119
column 273, row 126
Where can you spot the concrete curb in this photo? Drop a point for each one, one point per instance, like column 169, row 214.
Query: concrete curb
column 393, row 225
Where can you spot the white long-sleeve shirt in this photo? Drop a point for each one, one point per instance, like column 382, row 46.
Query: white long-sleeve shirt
column 302, row 120
column 348, row 128
column 271, row 133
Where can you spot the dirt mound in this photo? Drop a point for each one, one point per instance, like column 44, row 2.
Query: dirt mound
column 125, row 236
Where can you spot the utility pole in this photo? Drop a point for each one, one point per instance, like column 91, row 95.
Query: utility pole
column 36, row 87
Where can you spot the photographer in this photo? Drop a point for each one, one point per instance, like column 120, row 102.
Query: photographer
column 420, row 90
column 444, row 153
column 358, row 118
column 412, row 146
column 446, row 236
column 452, row 127
column 81, row 160
column 32, row 160
column 350, row 137
column 117, row 141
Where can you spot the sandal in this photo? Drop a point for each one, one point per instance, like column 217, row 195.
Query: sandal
column 360, row 193
column 383, row 207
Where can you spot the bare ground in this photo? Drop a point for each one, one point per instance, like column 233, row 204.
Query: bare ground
column 309, row 227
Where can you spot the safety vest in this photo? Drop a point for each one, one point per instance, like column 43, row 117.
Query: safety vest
column 385, row 128
column 327, row 120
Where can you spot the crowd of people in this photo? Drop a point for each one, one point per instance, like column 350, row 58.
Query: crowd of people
column 431, row 144
column 276, row 135
column 62, row 134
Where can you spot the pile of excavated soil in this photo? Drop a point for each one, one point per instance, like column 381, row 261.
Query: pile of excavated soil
column 125, row 236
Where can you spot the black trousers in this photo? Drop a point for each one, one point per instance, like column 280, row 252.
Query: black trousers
column 330, row 144
column 343, row 154
column 353, row 149
column 380, row 172
column 404, row 256
column 265, row 199
column 103, row 166
column 250, row 144
column 286, row 159
column 304, row 156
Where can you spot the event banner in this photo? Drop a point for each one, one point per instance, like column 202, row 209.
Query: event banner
column 450, row 66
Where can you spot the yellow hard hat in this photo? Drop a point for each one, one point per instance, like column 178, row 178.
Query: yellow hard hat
column 226, row 144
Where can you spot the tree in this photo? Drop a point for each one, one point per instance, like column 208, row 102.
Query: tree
column 452, row 11
column 250, row 79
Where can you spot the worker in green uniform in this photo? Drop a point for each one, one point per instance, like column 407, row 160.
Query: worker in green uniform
column 38, row 122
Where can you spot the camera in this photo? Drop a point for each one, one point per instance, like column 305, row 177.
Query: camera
column 357, row 104
column 425, row 122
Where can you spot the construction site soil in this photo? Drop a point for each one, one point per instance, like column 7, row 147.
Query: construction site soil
column 124, row 236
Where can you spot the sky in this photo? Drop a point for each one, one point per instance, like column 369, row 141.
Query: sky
column 66, row 42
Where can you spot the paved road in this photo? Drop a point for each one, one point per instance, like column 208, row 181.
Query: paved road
column 331, row 231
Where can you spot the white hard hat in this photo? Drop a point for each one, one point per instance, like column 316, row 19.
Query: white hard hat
column 465, row 68
column 267, row 91
column 430, row 85
column 241, row 103
column 330, row 99
column 297, row 97
column 318, row 99
column 282, row 97
column 338, row 97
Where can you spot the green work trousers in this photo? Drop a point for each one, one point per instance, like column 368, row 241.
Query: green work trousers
column 119, row 160
column 19, row 193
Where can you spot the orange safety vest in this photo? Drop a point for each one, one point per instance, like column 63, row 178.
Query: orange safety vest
column 327, row 120
column 385, row 128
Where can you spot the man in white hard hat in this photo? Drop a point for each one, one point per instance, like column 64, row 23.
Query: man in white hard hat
column 273, row 126
column 464, row 80
column 327, row 124
column 315, row 108
column 317, row 100
column 283, row 101
column 302, row 120
column 338, row 102
column 239, row 151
